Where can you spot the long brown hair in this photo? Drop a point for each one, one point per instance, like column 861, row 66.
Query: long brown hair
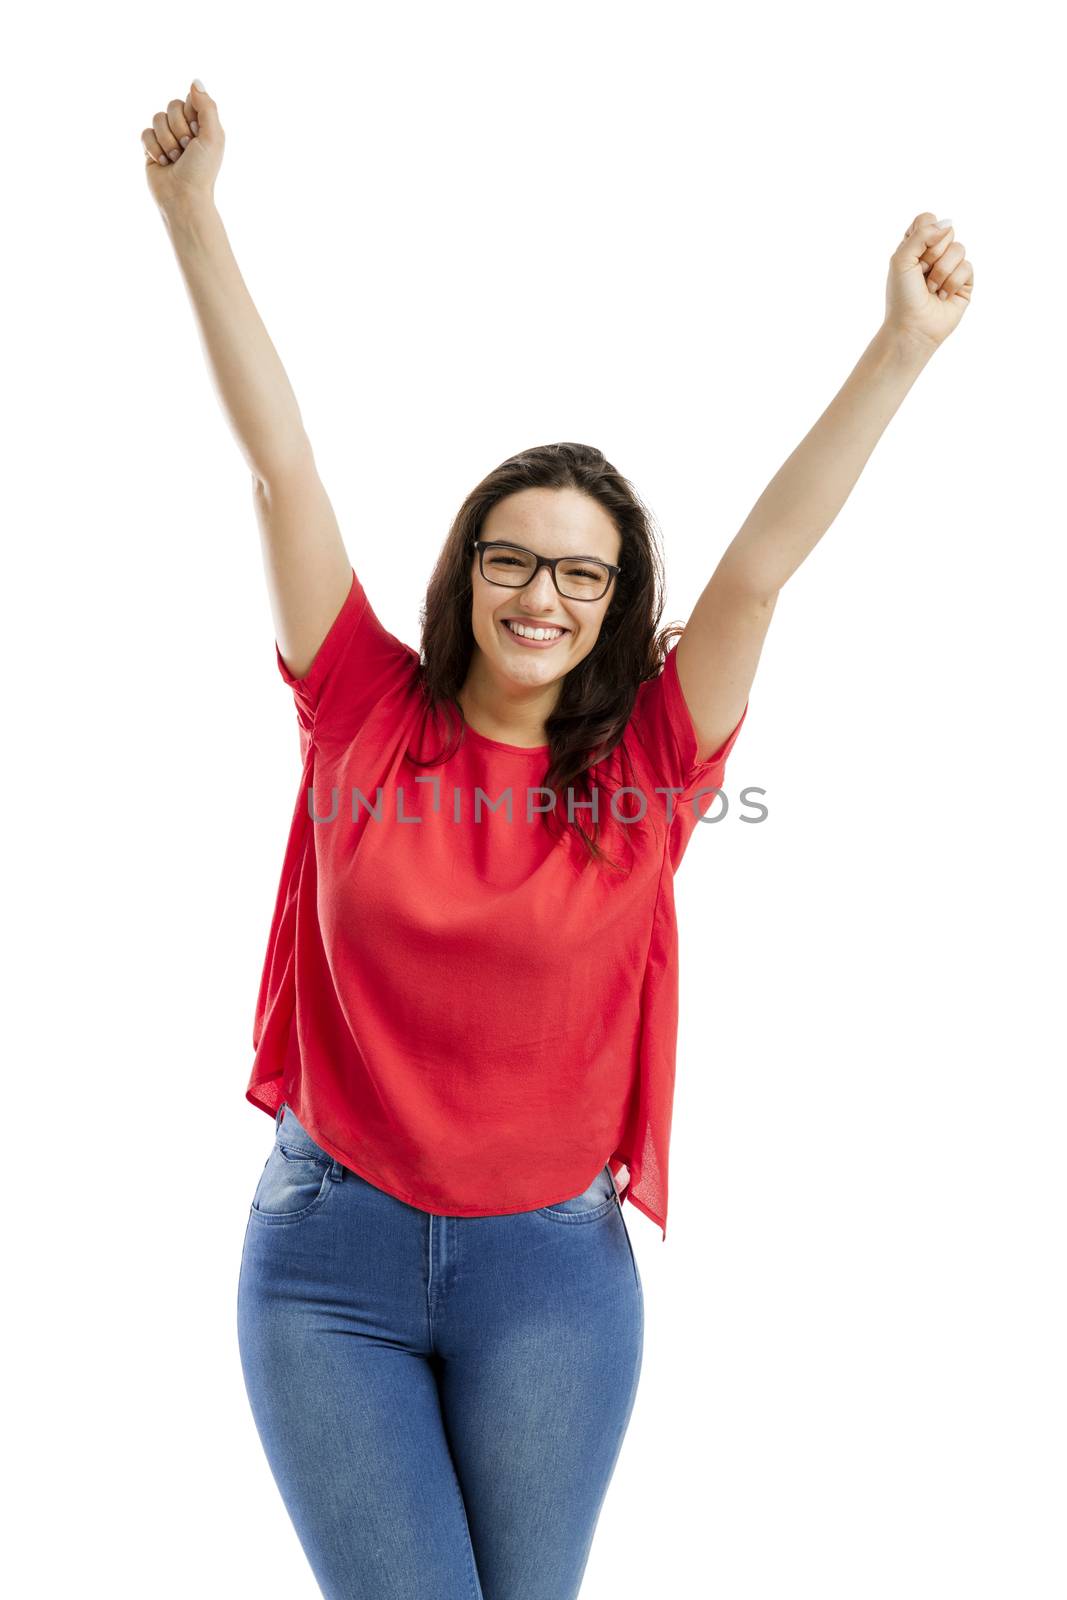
column 597, row 696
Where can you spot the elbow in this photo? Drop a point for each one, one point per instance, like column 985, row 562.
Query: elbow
column 280, row 465
column 750, row 581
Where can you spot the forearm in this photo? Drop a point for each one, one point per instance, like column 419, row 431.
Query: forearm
column 809, row 489
column 253, row 389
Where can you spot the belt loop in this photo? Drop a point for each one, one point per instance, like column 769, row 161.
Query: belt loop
column 278, row 1114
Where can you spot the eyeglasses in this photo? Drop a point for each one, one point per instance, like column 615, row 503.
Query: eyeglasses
column 512, row 567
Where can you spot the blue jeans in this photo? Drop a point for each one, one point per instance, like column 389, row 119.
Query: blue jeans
column 441, row 1400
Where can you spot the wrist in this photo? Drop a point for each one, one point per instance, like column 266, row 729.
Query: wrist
column 901, row 348
column 188, row 210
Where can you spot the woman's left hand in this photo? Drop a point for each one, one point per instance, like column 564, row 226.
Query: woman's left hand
column 929, row 284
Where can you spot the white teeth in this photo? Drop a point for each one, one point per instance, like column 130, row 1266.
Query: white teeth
column 535, row 633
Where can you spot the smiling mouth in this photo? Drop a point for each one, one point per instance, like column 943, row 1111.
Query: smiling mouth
column 554, row 633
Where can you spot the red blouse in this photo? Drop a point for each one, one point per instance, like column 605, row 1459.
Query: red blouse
column 453, row 1007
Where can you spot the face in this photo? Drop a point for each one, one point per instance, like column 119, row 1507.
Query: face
column 552, row 522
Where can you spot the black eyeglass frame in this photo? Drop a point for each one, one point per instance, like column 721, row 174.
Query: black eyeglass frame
column 551, row 562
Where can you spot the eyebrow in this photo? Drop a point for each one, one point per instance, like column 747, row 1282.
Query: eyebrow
column 577, row 556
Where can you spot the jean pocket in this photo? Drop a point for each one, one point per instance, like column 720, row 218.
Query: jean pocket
column 594, row 1202
column 296, row 1179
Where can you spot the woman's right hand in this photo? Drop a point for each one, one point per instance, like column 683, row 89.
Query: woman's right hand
column 183, row 150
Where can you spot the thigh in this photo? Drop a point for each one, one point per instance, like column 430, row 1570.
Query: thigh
column 332, row 1334
column 541, row 1335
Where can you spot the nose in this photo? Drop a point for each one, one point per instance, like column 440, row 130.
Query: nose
column 540, row 592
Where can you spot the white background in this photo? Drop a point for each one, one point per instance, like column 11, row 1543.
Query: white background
column 470, row 229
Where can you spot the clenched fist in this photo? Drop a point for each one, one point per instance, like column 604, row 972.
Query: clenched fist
column 183, row 149
column 930, row 281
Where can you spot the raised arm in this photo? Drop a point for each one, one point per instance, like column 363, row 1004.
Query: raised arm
column 928, row 290
column 307, row 567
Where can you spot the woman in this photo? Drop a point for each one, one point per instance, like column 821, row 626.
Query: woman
column 467, row 1017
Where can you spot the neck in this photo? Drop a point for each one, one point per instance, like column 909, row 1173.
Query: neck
column 512, row 718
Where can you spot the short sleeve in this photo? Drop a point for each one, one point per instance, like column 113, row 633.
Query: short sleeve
column 357, row 663
column 664, row 727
